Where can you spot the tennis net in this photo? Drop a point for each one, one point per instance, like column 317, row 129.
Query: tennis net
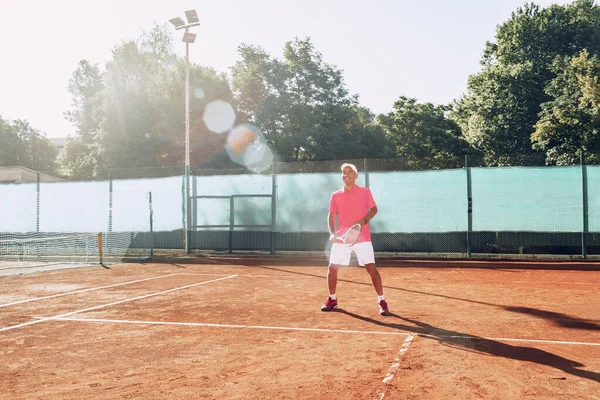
column 27, row 251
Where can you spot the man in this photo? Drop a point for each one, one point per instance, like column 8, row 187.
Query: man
column 352, row 204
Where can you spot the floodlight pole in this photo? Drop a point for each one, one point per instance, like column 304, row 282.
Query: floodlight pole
column 188, row 246
column 188, row 38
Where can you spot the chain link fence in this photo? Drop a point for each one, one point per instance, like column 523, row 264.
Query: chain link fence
column 518, row 207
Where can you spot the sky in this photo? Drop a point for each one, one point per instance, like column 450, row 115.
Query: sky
column 385, row 48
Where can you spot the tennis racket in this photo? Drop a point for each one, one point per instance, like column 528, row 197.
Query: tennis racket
column 350, row 236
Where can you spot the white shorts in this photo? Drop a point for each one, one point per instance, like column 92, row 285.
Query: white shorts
column 340, row 254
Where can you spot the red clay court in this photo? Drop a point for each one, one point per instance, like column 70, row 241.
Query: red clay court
column 251, row 328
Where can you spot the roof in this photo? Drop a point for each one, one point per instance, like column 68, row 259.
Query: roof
column 22, row 174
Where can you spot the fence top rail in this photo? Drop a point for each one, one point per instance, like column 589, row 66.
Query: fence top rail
column 229, row 196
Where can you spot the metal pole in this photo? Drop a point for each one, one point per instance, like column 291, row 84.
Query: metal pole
column 584, row 187
column 273, row 204
column 187, row 148
column 231, row 222
column 37, row 204
column 366, row 172
column 187, row 104
column 151, row 225
column 110, row 207
column 469, row 206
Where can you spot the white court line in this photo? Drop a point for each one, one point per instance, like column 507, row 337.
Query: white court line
column 289, row 328
column 257, row 276
column 83, row 290
column 555, row 283
column 200, row 324
column 394, row 368
column 43, row 319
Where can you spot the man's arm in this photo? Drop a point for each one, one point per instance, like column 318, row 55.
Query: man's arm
column 331, row 223
column 369, row 215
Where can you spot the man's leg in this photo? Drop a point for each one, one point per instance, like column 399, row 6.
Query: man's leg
column 331, row 301
column 375, row 278
column 332, row 277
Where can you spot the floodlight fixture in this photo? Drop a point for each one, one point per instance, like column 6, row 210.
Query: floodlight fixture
column 177, row 22
column 192, row 20
column 189, row 37
column 191, row 16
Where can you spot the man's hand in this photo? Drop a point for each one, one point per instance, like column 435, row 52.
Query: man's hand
column 332, row 238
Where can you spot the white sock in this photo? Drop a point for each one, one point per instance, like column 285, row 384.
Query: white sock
column 379, row 298
column 332, row 296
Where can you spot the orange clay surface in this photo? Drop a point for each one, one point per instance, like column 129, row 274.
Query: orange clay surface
column 251, row 328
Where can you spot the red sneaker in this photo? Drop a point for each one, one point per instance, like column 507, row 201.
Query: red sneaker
column 383, row 308
column 329, row 305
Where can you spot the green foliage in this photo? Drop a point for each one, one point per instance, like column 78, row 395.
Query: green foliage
column 12, row 151
column 538, row 91
column 132, row 113
column 81, row 158
column 570, row 121
column 25, row 146
column 504, row 100
column 302, row 105
column 423, row 135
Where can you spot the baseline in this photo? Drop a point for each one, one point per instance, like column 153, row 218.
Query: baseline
column 84, row 290
column 43, row 319
column 230, row 326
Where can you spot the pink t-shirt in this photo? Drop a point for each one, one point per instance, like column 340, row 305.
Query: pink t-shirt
column 350, row 207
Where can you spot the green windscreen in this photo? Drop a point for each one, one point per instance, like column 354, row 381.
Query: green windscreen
column 527, row 199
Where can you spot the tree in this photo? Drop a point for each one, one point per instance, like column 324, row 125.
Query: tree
column 497, row 115
column 131, row 114
column 26, row 147
column 302, row 105
column 570, row 121
column 423, row 136
column 81, row 158
column 350, row 133
column 501, row 107
column 86, row 87
column 12, row 151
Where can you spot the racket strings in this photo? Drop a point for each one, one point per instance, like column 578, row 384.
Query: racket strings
column 353, row 235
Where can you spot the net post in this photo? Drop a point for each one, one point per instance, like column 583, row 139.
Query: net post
column 100, row 247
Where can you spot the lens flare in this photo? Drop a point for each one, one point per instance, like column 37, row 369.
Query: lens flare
column 219, row 116
column 258, row 157
column 171, row 63
column 247, row 146
column 240, row 138
column 199, row 93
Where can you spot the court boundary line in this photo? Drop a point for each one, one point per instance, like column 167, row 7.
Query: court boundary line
column 300, row 329
column 257, row 276
column 103, row 287
column 84, row 290
column 230, row 326
column 394, row 368
column 43, row 319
